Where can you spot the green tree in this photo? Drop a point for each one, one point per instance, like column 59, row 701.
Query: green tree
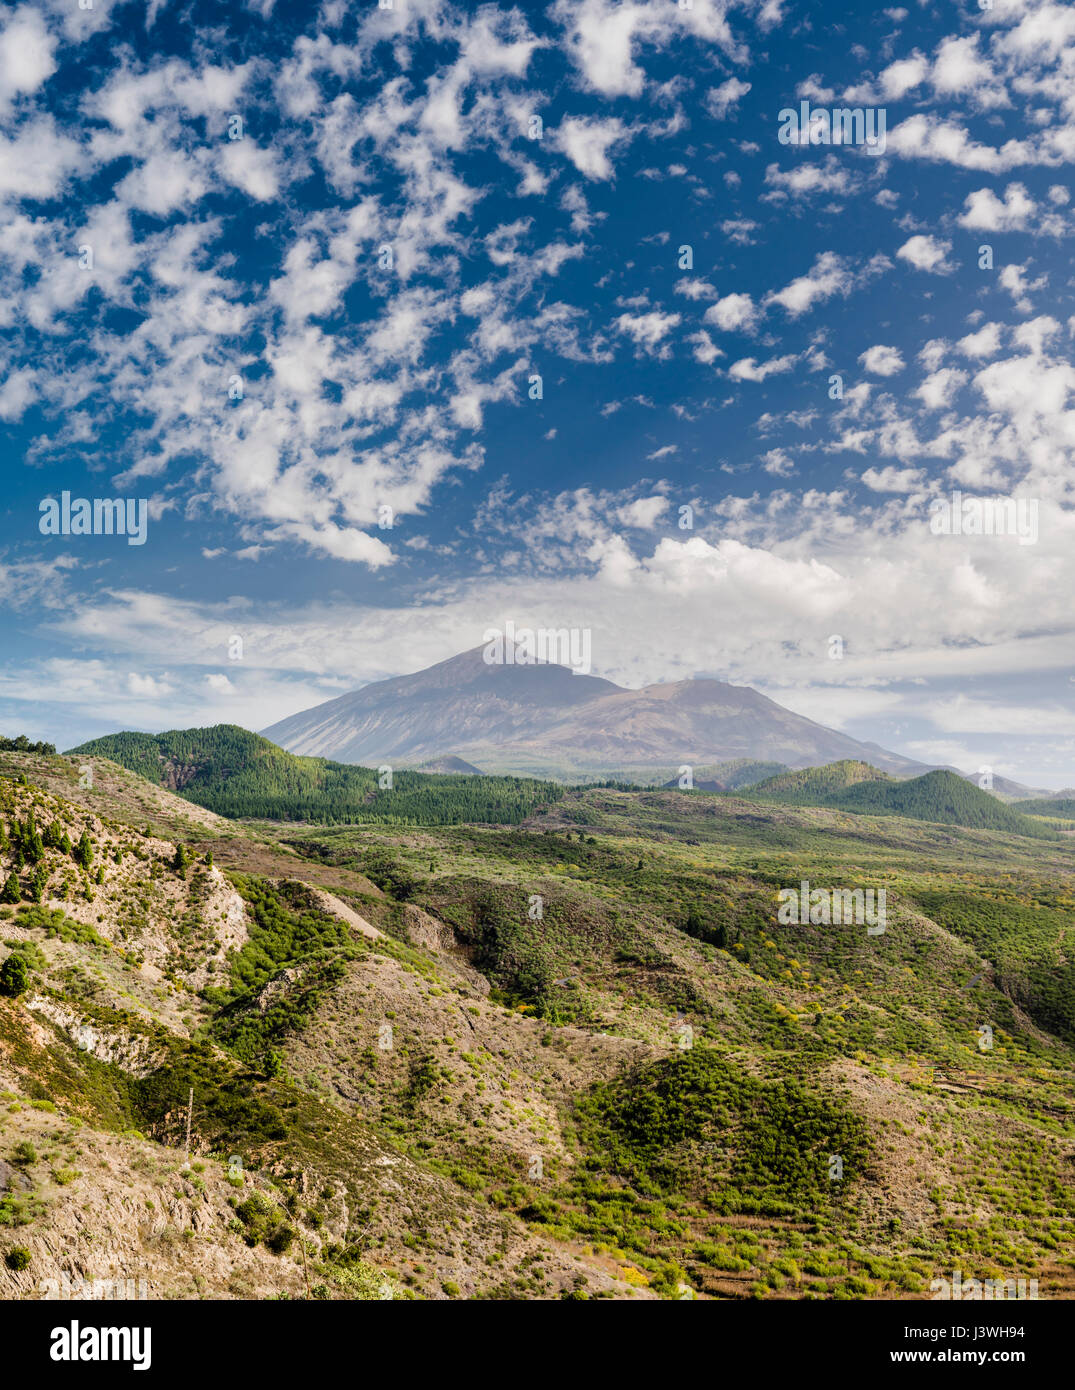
column 11, row 893
column 38, row 883
column 14, row 976
column 84, row 851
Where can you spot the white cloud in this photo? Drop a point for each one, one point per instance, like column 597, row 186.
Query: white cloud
column 829, row 275
column 984, row 343
column 148, row 687
column 778, row 462
column 644, row 514
column 940, row 387
column 805, row 179
column 587, row 141
column 27, row 54
column 882, row 361
column 929, row 137
column 747, row 369
column 733, row 313
column 739, row 229
column 648, row 331
column 985, row 212
column 960, row 70
column 891, row 479
column 704, row 349
column 720, row 100
column 927, row 253
column 603, row 38
column 903, row 76
column 1013, row 278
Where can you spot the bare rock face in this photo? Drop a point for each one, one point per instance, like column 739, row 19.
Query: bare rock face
column 13, row 1179
column 131, row 1051
column 428, row 931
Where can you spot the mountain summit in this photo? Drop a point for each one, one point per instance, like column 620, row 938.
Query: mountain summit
column 545, row 719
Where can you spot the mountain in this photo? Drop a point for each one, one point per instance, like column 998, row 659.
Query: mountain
column 543, row 720
column 938, row 796
column 449, row 764
column 239, row 774
column 1006, row 790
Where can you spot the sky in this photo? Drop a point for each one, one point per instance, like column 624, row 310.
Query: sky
column 407, row 322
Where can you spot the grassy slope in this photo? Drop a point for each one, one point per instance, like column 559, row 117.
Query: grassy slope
column 657, row 1164
column 965, row 1167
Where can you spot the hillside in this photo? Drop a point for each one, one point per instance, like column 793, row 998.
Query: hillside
column 940, row 796
column 239, row 774
column 813, row 785
column 1060, row 807
column 407, row 1075
column 544, row 721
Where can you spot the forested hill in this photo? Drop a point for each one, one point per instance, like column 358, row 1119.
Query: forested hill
column 240, row 774
column 809, row 786
column 938, row 796
column 1062, row 807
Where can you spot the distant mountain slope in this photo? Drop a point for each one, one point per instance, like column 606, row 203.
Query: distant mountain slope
column 449, row 764
column 542, row 719
column 1006, row 790
column 729, row 776
column 939, row 796
column 237, row 773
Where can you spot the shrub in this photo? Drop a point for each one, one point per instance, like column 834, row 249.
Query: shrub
column 17, row 1258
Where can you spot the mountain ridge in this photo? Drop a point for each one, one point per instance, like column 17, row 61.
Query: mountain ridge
column 544, row 719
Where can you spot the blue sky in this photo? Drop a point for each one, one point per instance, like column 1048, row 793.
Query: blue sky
column 365, row 386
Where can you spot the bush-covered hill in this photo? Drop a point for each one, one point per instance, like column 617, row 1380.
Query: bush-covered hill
column 579, row 1057
column 240, row 774
column 938, row 796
